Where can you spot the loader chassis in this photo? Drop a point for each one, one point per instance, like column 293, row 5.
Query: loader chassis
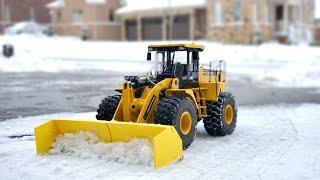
column 146, row 99
column 164, row 107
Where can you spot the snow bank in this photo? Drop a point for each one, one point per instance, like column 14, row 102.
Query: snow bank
column 35, row 53
column 87, row 145
column 268, row 64
column 25, row 27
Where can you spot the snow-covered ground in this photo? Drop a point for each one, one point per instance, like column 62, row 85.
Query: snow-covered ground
column 271, row 64
column 270, row 142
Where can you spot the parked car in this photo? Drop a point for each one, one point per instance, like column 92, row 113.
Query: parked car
column 28, row 27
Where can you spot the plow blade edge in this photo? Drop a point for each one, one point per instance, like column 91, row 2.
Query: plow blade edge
column 166, row 143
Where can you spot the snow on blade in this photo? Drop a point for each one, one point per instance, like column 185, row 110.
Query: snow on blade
column 86, row 145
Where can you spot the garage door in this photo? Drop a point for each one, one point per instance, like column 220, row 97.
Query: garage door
column 152, row 29
column 181, row 28
column 131, row 30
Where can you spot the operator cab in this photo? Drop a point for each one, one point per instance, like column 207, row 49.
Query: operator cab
column 176, row 61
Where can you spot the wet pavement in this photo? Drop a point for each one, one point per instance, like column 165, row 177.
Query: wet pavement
column 28, row 94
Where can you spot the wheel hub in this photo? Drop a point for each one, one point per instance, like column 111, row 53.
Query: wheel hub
column 185, row 123
column 228, row 114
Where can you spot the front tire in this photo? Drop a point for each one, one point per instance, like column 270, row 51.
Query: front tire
column 222, row 115
column 108, row 107
column 180, row 113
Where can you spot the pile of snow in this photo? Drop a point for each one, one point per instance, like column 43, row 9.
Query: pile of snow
column 87, row 145
column 136, row 5
column 25, row 27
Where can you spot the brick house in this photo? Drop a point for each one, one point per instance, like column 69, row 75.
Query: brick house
column 317, row 32
column 95, row 17
column 14, row 11
column 247, row 21
column 229, row 21
column 180, row 19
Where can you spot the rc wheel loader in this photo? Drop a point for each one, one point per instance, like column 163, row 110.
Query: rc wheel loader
column 163, row 106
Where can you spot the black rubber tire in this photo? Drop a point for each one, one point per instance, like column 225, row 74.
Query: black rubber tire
column 215, row 124
column 108, row 107
column 169, row 111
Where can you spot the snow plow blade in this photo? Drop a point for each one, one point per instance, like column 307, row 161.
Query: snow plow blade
column 167, row 145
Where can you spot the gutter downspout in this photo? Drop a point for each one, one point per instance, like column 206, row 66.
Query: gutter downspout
column 95, row 22
column 2, row 15
column 171, row 19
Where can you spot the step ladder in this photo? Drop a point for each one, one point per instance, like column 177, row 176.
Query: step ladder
column 202, row 101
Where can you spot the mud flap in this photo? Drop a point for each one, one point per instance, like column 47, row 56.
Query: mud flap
column 167, row 145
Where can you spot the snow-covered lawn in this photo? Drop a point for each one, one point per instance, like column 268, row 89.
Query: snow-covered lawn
column 270, row 63
column 270, row 142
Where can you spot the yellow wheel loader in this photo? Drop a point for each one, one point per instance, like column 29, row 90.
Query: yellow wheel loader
column 164, row 106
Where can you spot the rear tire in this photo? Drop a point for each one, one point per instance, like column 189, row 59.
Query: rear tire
column 108, row 107
column 222, row 115
column 180, row 113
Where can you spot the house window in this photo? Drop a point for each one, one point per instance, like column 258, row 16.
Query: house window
column 77, row 15
column 279, row 13
column 236, row 11
column 31, row 12
column 255, row 12
column 218, row 13
column 59, row 16
column 266, row 13
column 7, row 14
column 111, row 15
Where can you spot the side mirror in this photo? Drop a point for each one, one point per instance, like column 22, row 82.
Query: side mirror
column 149, row 56
column 195, row 56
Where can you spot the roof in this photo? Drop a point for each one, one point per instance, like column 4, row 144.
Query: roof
column 55, row 4
column 95, row 1
column 137, row 5
column 191, row 46
column 60, row 3
column 317, row 9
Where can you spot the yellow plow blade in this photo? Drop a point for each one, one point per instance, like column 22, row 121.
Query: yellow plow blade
column 167, row 145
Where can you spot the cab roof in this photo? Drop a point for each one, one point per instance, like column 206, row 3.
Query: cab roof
column 176, row 47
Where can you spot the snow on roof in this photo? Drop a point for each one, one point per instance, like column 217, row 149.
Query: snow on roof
column 317, row 11
column 95, row 1
column 56, row 4
column 136, row 5
column 60, row 3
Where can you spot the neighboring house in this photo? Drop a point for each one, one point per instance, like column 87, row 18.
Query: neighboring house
column 14, row 11
column 249, row 21
column 317, row 32
column 229, row 21
column 162, row 19
column 94, row 18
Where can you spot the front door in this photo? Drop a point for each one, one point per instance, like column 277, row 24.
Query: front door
column 279, row 17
